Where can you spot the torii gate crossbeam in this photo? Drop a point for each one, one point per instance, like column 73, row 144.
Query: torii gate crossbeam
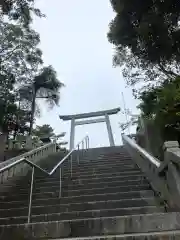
column 74, row 122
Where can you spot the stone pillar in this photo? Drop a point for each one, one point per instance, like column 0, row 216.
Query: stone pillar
column 17, row 145
column 109, row 129
column 170, row 147
column 29, row 143
column 172, row 173
column 72, row 134
column 11, row 144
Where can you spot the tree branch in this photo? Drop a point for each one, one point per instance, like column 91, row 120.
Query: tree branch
column 167, row 72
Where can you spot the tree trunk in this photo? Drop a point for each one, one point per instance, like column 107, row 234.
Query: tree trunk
column 32, row 113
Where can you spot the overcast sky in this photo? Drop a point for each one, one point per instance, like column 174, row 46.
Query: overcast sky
column 74, row 41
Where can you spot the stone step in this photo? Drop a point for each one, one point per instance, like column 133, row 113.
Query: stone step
column 88, row 163
column 122, row 225
column 103, row 163
column 105, row 158
column 50, row 180
column 164, row 235
column 100, row 165
column 98, row 174
column 107, row 195
column 135, row 224
column 113, row 182
column 97, row 177
column 90, row 174
column 119, row 167
column 133, row 186
column 55, row 193
column 82, row 215
column 92, row 171
column 87, row 181
column 80, row 168
column 93, row 205
column 85, row 175
column 79, row 199
column 78, row 173
column 78, row 185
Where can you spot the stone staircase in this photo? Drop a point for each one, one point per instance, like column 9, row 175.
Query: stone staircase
column 108, row 197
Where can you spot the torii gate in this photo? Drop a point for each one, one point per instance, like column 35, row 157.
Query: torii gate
column 105, row 118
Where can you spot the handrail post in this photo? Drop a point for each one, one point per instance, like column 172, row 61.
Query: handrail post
column 60, row 182
column 82, row 148
column 71, row 165
column 78, row 160
column 30, row 196
column 86, row 143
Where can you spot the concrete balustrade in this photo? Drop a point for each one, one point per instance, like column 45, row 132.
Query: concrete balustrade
column 164, row 176
column 34, row 156
column 29, row 144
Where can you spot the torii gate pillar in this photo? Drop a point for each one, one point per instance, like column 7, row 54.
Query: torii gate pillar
column 105, row 118
column 109, row 130
column 72, row 134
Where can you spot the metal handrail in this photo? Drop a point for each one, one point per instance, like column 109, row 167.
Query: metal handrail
column 24, row 155
column 145, row 154
column 38, row 167
column 35, row 166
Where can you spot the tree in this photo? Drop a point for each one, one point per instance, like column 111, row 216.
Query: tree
column 136, row 71
column 20, row 56
column 162, row 104
column 44, row 131
column 22, row 77
column 13, row 120
column 131, row 122
column 21, row 123
column 46, row 134
column 44, row 86
column 20, row 10
column 19, row 60
column 8, row 109
column 150, row 29
column 146, row 36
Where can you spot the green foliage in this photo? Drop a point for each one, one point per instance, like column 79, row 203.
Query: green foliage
column 131, row 120
column 7, row 113
column 163, row 105
column 20, row 10
column 146, row 36
column 17, row 45
column 150, row 29
column 12, row 119
column 19, row 52
column 44, row 86
column 22, row 75
column 44, row 131
column 135, row 70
